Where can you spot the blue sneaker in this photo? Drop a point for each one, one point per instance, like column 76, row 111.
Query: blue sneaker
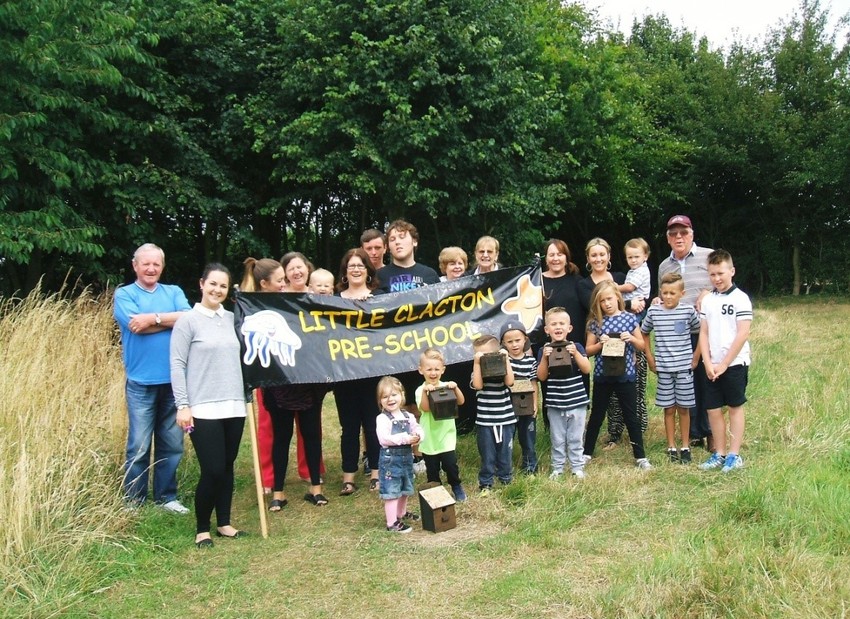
column 733, row 461
column 714, row 462
column 460, row 495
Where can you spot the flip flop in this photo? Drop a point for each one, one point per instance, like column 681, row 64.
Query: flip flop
column 275, row 505
column 348, row 488
column 373, row 484
column 316, row 499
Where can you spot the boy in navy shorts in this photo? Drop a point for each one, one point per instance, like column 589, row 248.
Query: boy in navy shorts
column 725, row 318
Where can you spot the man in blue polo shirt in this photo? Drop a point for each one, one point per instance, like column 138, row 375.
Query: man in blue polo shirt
column 146, row 311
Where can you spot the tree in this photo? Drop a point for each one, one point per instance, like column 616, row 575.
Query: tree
column 412, row 108
column 808, row 74
column 58, row 60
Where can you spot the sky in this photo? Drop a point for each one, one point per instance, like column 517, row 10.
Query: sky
column 719, row 20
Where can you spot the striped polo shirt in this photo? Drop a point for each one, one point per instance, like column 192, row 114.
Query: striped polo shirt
column 673, row 327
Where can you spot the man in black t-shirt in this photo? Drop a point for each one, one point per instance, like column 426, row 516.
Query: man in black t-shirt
column 403, row 272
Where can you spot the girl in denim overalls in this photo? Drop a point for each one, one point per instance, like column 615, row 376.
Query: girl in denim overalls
column 397, row 432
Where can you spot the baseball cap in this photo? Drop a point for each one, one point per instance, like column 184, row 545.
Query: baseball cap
column 679, row 220
column 511, row 326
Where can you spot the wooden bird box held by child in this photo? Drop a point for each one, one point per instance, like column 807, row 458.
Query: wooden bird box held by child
column 493, row 366
column 614, row 356
column 522, row 397
column 560, row 361
column 443, row 403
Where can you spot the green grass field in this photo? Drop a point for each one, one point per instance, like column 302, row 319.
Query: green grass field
column 771, row 540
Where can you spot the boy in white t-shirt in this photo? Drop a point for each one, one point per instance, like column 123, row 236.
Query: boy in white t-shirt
column 725, row 317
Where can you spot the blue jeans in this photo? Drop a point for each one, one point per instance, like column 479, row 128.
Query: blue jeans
column 152, row 414
column 496, row 456
column 526, row 433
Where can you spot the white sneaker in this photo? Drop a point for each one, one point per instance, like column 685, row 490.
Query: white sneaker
column 643, row 464
column 579, row 474
column 555, row 475
column 175, row 507
column 587, row 458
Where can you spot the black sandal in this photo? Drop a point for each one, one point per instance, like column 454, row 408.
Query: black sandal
column 348, row 488
column 373, row 484
column 316, row 499
column 275, row 505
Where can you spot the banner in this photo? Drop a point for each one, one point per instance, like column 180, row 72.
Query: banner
column 291, row 338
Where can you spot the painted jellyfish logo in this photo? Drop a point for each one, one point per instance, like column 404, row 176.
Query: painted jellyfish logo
column 266, row 333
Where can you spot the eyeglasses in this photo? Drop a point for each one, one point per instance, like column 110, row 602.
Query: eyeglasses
column 355, row 267
column 675, row 233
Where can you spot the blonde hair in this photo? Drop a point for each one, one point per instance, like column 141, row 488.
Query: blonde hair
column 637, row 243
column 257, row 271
column 387, row 384
column 596, row 314
column 483, row 340
column 597, row 241
column 557, row 310
column 451, row 254
column 486, row 239
column 433, row 354
column 322, row 273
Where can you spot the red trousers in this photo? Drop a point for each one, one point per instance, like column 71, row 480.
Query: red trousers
column 265, row 438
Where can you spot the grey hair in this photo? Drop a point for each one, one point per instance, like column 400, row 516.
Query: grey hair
column 146, row 248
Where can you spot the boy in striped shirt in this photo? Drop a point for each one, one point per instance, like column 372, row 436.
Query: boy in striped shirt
column 566, row 397
column 495, row 421
column 515, row 341
column 673, row 361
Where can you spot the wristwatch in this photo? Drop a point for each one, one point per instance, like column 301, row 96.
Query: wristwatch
column 158, row 319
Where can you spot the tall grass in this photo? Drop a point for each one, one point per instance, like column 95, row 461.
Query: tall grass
column 770, row 540
column 61, row 422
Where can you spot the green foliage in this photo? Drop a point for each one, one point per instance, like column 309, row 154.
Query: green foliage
column 221, row 129
column 808, row 199
column 410, row 108
column 60, row 63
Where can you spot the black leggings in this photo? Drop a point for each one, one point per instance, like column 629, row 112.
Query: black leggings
column 448, row 460
column 216, row 443
column 356, row 407
column 627, row 395
column 283, row 421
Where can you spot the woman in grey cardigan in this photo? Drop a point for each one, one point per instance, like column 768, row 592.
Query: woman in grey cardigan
column 206, row 377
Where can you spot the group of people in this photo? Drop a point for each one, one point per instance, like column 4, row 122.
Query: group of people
column 183, row 373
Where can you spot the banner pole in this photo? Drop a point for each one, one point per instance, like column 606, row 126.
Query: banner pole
column 255, row 456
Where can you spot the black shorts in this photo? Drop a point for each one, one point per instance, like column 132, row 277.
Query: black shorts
column 728, row 390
